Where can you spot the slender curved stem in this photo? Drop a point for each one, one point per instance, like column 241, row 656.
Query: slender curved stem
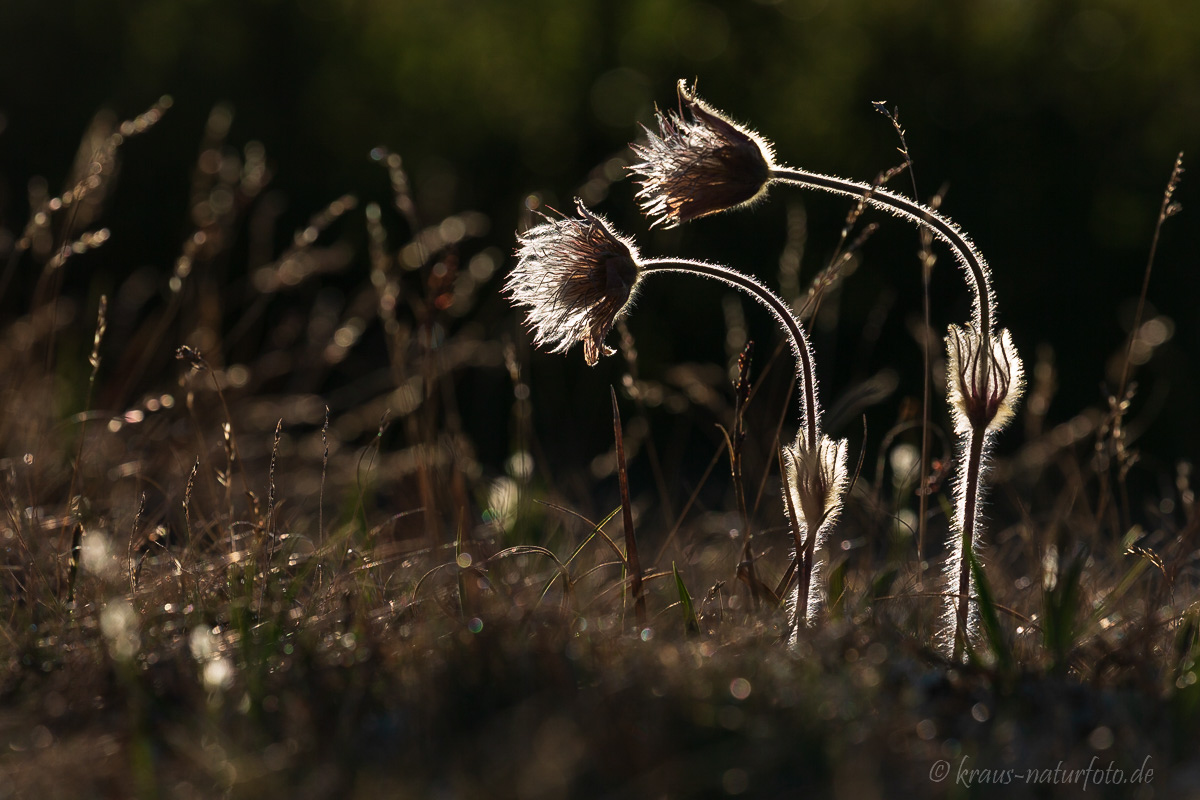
column 782, row 313
column 978, row 279
column 941, row 227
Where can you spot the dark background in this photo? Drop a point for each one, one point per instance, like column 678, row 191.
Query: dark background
column 1054, row 125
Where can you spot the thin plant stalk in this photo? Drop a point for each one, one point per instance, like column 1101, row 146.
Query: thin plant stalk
column 578, row 277
column 633, row 563
column 1167, row 210
column 94, row 361
column 983, row 371
column 798, row 539
column 924, row 486
column 745, row 568
column 965, row 549
column 924, row 216
column 805, row 558
column 815, row 521
column 926, row 259
column 810, row 417
column 926, row 392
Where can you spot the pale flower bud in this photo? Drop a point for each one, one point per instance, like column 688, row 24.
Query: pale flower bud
column 816, row 479
column 983, row 393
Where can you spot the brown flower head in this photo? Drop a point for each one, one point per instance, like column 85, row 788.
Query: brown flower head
column 576, row 277
column 699, row 163
column 983, row 394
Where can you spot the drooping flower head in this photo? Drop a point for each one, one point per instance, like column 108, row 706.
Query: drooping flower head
column 576, row 276
column 983, row 393
column 699, row 163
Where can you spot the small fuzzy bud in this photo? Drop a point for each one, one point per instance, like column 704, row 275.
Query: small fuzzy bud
column 983, row 392
column 816, row 479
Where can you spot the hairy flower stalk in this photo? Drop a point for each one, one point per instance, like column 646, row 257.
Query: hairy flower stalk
column 815, row 474
column 576, row 276
column 965, row 252
column 983, row 393
column 701, row 163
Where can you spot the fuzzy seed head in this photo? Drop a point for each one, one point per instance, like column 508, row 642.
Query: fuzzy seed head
column 575, row 276
column 983, row 393
column 699, row 163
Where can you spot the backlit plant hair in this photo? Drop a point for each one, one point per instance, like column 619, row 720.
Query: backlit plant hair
column 576, row 276
column 699, row 163
column 986, row 376
column 667, row 170
column 815, row 480
column 983, row 387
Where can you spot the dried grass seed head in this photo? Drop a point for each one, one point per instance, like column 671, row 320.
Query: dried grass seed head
column 983, row 393
column 576, row 276
column 816, row 479
column 699, row 163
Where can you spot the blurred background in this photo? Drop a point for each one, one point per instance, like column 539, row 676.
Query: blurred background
column 1052, row 125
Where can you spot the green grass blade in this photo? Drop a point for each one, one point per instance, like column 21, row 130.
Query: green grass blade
column 990, row 619
column 690, row 624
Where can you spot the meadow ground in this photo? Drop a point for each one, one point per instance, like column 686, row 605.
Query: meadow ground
column 250, row 548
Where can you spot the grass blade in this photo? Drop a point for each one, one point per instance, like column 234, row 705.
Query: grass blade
column 690, row 625
column 989, row 617
column 631, row 552
column 1061, row 612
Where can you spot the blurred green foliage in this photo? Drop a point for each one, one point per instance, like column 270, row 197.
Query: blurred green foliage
column 1054, row 124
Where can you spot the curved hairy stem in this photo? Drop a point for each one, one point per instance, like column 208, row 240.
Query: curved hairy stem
column 782, row 313
column 941, row 227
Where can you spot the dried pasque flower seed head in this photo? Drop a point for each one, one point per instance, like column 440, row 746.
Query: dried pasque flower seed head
column 816, row 478
column 983, row 392
column 699, row 163
column 575, row 276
